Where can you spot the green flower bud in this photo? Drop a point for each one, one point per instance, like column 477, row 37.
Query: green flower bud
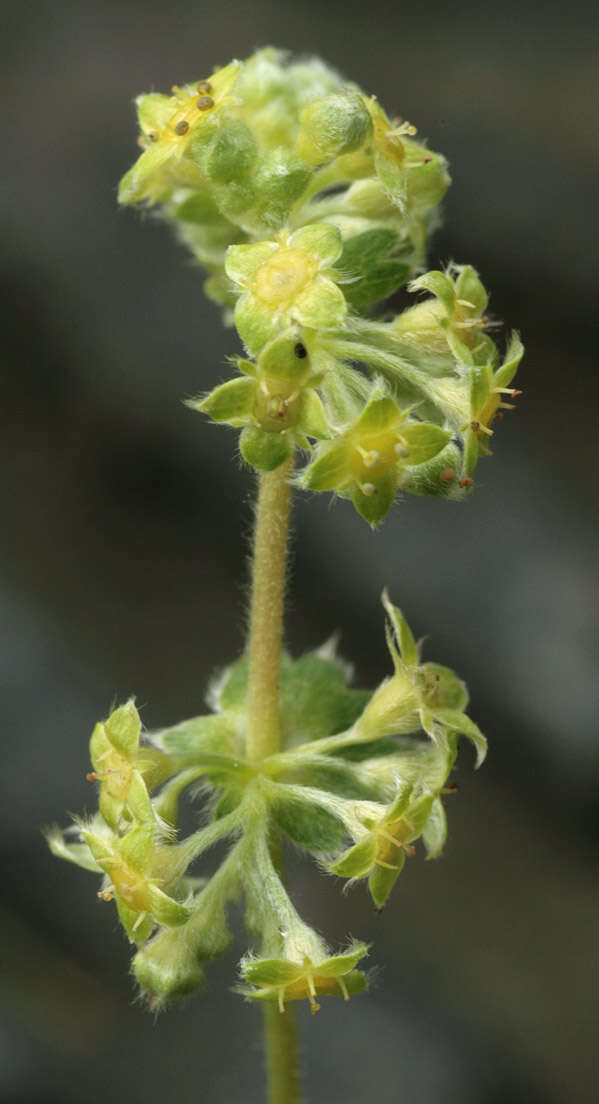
column 427, row 178
column 279, row 181
column 168, row 968
column 338, row 124
column 425, row 696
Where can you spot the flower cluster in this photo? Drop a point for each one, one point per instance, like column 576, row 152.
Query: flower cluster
column 360, row 779
column 308, row 206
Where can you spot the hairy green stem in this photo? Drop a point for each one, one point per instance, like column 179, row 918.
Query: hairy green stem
column 266, row 612
column 264, row 652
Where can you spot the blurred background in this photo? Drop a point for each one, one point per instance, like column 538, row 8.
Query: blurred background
column 124, row 546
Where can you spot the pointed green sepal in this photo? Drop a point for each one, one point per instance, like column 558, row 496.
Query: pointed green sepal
column 232, row 402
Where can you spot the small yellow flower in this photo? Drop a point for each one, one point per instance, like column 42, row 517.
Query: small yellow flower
column 287, row 280
column 168, row 127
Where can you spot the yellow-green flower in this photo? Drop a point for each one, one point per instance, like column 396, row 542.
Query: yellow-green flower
column 168, row 126
column 370, row 459
column 280, row 979
column 381, row 853
column 287, row 280
column 119, row 762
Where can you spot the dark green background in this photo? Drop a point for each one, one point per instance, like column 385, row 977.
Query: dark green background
column 123, row 560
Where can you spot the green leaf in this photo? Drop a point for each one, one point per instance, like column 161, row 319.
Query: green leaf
column 200, row 736
column 315, row 701
column 232, row 692
column 264, row 451
column 309, row 825
column 389, row 276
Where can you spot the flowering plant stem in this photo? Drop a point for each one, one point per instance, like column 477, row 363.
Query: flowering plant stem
column 264, row 653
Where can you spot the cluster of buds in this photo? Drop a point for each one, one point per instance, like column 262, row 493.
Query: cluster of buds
column 308, row 206
column 360, row 780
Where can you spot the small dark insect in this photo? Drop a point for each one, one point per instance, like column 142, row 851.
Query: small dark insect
column 300, row 351
column 205, row 103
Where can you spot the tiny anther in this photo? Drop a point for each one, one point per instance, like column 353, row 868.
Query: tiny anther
column 466, row 482
column 368, row 489
column 498, row 416
column 485, row 320
column 153, row 136
column 91, row 776
column 475, row 426
column 447, row 475
column 451, row 789
column 426, row 160
column 204, row 103
column 300, row 351
column 182, row 127
column 205, row 87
